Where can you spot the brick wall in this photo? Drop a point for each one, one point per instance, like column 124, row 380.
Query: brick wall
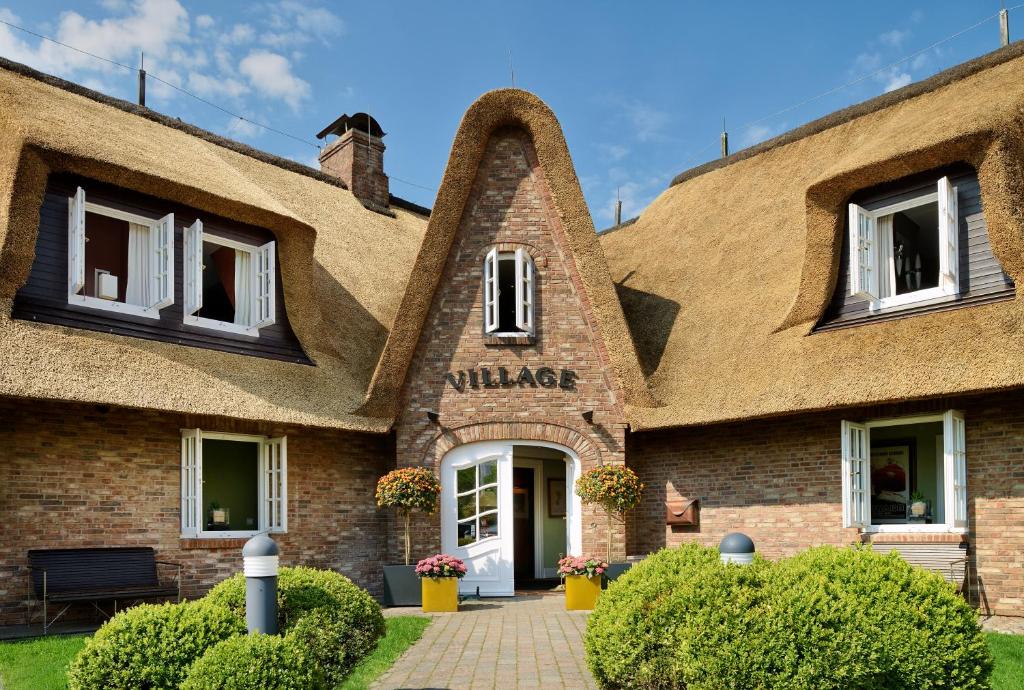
column 510, row 206
column 779, row 481
column 75, row 475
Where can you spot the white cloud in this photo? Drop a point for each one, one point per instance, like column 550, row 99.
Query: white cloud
column 291, row 23
column 271, row 75
column 897, row 80
column 893, row 39
column 756, row 133
column 204, row 21
column 243, row 129
column 212, row 86
column 648, row 123
column 614, row 152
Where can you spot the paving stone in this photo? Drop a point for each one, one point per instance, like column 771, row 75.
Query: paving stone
column 521, row 642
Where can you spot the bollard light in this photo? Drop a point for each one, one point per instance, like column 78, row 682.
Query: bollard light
column 736, row 547
column 259, row 564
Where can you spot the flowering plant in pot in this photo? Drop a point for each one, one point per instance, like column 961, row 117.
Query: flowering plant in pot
column 617, row 489
column 582, row 581
column 406, row 489
column 439, row 577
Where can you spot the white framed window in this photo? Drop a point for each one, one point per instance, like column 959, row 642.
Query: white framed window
column 476, row 501
column 229, row 285
column 119, row 261
column 906, row 252
column 509, row 293
column 232, row 485
column 906, row 474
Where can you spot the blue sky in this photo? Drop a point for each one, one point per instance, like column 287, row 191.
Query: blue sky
column 640, row 88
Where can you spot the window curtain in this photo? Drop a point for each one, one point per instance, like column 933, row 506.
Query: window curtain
column 137, row 289
column 243, row 287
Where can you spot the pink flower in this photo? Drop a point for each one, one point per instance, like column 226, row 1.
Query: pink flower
column 600, row 570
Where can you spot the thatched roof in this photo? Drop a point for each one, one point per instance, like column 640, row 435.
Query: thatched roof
column 724, row 276
column 340, row 297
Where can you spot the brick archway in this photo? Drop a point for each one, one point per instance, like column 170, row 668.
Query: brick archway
column 435, row 448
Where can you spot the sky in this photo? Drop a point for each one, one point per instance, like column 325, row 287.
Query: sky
column 641, row 88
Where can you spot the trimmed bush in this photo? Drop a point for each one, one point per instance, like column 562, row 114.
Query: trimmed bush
column 151, row 645
column 333, row 645
column 255, row 662
column 354, row 614
column 827, row 618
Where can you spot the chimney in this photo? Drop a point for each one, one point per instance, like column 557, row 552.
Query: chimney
column 356, row 157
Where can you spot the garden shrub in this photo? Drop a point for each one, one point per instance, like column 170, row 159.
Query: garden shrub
column 827, row 618
column 255, row 662
column 334, row 645
column 347, row 612
column 151, row 646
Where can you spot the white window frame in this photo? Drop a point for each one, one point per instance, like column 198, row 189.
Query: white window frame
column 78, row 206
column 872, row 266
column 525, row 297
column 263, row 308
column 273, row 498
column 954, row 475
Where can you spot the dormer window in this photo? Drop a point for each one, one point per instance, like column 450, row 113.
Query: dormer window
column 508, row 293
column 229, row 285
column 906, row 252
column 119, row 261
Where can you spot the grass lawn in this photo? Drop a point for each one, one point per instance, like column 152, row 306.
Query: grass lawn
column 40, row 664
column 1009, row 653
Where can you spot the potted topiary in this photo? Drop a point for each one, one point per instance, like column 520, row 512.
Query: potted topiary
column 406, row 489
column 582, row 581
column 617, row 489
column 918, row 505
column 439, row 576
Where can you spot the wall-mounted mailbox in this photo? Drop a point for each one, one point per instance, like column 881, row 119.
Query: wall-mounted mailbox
column 684, row 512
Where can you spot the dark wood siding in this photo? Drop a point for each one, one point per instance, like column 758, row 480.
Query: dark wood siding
column 982, row 279
column 43, row 297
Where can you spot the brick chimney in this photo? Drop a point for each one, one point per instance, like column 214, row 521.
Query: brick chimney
column 356, row 157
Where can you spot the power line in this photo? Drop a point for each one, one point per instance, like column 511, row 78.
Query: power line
column 162, row 81
column 856, row 81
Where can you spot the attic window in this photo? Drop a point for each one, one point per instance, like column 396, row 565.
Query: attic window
column 905, row 252
column 119, row 261
column 229, row 285
column 508, row 293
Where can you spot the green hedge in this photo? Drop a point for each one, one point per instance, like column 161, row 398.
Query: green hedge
column 151, row 646
column 255, row 662
column 344, row 621
column 827, row 618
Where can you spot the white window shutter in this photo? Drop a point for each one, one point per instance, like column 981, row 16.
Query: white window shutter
column 491, row 291
column 193, row 260
column 76, row 242
column 524, row 291
column 264, row 302
column 856, row 446
column 275, row 485
column 191, row 481
column 161, row 271
column 949, row 230
column 863, row 254
column 955, row 452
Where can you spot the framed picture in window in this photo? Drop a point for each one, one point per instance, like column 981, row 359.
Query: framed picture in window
column 893, row 470
column 556, row 498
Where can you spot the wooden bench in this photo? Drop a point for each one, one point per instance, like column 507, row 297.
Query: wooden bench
column 97, row 575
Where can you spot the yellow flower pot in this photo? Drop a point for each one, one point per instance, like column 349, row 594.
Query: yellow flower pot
column 581, row 592
column 440, row 594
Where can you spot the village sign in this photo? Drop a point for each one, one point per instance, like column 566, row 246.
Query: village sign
column 545, row 377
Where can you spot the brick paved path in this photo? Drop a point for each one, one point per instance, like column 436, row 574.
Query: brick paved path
column 524, row 642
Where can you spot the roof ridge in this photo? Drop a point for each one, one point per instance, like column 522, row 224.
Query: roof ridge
column 190, row 129
column 852, row 112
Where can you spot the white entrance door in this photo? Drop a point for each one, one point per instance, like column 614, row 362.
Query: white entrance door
column 476, row 516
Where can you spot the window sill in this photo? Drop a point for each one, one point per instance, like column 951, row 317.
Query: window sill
column 509, row 339
column 206, row 543
column 114, row 306
column 929, row 296
column 214, row 325
column 914, row 538
column 885, row 531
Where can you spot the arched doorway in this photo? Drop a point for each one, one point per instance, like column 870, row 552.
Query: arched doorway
column 484, row 496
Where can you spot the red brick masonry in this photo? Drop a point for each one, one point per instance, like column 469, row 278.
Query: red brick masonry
column 779, row 481
column 76, row 475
